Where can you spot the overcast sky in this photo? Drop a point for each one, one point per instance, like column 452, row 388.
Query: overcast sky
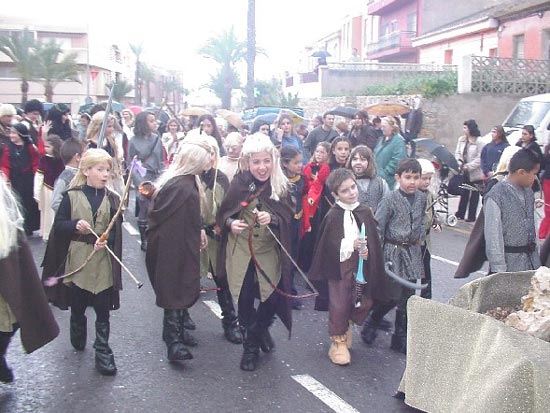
column 172, row 36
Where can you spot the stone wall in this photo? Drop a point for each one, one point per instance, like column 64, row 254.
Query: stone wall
column 443, row 116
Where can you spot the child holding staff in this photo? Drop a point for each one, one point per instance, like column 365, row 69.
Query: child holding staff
column 91, row 275
column 336, row 259
column 255, row 207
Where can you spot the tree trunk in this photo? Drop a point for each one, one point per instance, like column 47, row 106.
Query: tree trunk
column 24, row 92
column 250, row 53
column 48, row 92
column 137, row 84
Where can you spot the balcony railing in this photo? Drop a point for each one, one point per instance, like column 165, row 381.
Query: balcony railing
column 393, row 40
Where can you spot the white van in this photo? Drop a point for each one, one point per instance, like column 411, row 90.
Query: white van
column 532, row 110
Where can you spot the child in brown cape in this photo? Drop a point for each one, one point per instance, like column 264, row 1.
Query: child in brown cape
column 336, row 258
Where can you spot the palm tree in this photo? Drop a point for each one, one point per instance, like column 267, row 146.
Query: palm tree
column 147, row 77
column 137, row 49
column 250, row 53
column 20, row 48
column 51, row 67
column 122, row 88
column 227, row 51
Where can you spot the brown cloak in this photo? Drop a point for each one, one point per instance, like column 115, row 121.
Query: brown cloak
column 474, row 253
column 173, row 244
column 326, row 259
column 56, row 255
column 20, row 286
column 240, row 190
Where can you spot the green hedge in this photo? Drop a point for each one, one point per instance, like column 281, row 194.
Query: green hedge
column 428, row 85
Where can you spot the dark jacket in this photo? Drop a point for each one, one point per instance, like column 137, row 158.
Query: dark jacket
column 173, row 244
column 21, row 288
column 326, row 260
column 240, row 191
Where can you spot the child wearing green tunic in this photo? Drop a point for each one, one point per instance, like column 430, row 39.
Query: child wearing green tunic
column 88, row 206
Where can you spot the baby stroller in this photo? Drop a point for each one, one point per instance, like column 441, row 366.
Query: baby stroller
column 446, row 167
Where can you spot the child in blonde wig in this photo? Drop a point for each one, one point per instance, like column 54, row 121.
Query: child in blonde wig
column 256, row 207
column 88, row 205
column 175, row 237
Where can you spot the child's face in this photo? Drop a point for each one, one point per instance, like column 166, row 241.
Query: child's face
column 260, row 165
column 14, row 136
column 526, row 179
column 425, row 181
column 286, row 126
column 152, row 122
column 408, row 181
column 48, row 148
column 341, row 152
column 294, row 166
column 234, row 151
column 347, row 192
column 321, row 155
column 97, row 176
column 359, row 165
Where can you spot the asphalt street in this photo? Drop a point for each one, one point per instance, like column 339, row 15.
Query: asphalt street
column 296, row 377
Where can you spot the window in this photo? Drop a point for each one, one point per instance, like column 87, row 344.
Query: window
column 519, row 47
column 545, row 45
column 411, row 24
column 449, row 57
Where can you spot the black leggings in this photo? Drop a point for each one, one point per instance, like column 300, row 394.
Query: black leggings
column 248, row 315
column 80, row 299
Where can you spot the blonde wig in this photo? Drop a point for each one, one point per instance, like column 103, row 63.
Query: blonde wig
column 89, row 159
column 256, row 143
column 11, row 220
column 192, row 158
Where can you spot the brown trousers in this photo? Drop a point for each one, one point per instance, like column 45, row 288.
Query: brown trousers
column 341, row 306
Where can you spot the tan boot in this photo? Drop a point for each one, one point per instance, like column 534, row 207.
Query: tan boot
column 338, row 352
column 349, row 336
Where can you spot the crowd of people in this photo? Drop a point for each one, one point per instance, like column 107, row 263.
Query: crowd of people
column 252, row 211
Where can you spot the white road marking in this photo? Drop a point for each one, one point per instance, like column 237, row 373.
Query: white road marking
column 130, row 228
column 325, row 395
column 446, row 261
column 214, row 307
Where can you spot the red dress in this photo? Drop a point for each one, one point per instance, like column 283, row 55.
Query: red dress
column 315, row 175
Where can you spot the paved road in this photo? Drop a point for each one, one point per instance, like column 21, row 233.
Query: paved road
column 297, row 377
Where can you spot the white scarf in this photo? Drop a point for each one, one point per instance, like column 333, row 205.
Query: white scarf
column 351, row 230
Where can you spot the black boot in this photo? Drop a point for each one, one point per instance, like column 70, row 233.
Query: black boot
column 172, row 336
column 142, row 225
column 264, row 337
column 231, row 329
column 188, row 324
column 78, row 331
column 104, row 357
column 399, row 337
column 230, row 323
column 251, row 350
column 368, row 334
column 6, row 375
column 186, row 337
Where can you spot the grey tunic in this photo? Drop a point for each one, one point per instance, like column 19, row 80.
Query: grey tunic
column 509, row 221
column 371, row 191
column 401, row 222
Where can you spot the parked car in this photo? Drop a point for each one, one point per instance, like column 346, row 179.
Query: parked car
column 532, row 110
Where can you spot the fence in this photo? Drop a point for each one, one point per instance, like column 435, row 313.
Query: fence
column 507, row 76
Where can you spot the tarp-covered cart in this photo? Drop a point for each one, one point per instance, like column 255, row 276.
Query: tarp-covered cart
column 460, row 360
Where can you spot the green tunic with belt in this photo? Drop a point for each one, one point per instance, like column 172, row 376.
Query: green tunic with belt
column 97, row 275
column 266, row 251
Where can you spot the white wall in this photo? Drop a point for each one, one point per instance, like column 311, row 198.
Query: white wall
column 473, row 45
